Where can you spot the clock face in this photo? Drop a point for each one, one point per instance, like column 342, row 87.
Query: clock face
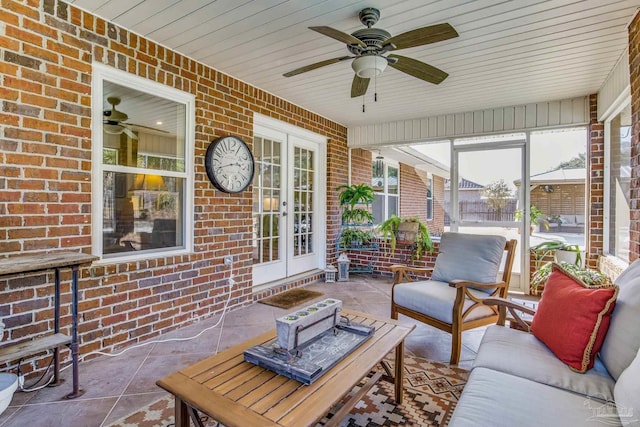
column 229, row 164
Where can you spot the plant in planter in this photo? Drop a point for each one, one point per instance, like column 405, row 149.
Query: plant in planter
column 559, row 248
column 352, row 195
column 356, row 215
column 586, row 275
column 535, row 217
column 392, row 229
column 354, row 237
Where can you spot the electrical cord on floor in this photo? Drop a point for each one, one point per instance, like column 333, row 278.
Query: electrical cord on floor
column 230, row 282
column 34, row 386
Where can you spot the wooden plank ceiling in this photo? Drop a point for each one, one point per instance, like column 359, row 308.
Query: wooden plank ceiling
column 508, row 52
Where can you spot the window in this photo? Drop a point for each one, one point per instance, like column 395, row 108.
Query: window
column 142, row 179
column 386, row 185
column 617, row 183
column 429, row 199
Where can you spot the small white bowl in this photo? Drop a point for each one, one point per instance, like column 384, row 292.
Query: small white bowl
column 8, row 386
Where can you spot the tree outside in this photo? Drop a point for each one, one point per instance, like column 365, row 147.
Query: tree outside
column 497, row 194
column 578, row 162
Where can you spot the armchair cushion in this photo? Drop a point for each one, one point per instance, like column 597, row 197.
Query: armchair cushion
column 436, row 299
column 469, row 257
column 572, row 319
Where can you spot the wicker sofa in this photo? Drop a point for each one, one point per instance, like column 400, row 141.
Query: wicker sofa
column 517, row 381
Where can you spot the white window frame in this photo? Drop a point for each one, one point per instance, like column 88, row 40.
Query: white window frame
column 385, row 193
column 623, row 101
column 103, row 73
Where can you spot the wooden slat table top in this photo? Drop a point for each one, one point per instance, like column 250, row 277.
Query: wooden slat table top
column 238, row 393
column 39, row 262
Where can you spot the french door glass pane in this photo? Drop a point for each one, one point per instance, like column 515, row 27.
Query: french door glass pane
column 302, row 197
column 266, row 201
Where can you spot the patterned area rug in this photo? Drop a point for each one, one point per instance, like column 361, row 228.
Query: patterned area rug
column 431, row 389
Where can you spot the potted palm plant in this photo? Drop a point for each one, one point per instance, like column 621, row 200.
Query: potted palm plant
column 535, row 218
column 351, row 196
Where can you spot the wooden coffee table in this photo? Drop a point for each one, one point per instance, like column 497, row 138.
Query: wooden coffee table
column 238, row 393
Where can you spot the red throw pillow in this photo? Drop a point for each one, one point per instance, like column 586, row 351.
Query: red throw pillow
column 572, row 318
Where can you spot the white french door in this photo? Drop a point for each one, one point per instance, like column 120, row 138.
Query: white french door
column 288, row 209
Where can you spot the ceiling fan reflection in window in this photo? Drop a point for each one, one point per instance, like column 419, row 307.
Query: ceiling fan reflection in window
column 114, row 122
column 369, row 47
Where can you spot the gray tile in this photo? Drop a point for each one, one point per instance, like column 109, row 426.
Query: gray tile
column 201, row 344
column 232, row 335
column 104, row 377
column 8, row 413
column 255, row 314
column 21, row 398
column 63, row 414
column 157, row 367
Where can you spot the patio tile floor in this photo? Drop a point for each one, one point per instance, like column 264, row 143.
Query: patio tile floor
column 117, row 386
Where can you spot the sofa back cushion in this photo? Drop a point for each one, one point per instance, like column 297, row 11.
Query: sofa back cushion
column 627, row 394
column 469, row 257
column 623, row 339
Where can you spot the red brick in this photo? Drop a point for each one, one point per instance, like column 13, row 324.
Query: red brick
column 38, row 124
column 24, row 85
column 24, row 36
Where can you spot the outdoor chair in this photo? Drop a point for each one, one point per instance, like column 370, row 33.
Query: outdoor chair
column 465, row 273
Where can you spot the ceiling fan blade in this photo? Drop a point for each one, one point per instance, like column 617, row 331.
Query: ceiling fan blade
column 129, row 133
column 316, row 65
column 417, row 69
column 145, row 127
column 421, row 36
column 359, row 86
column 339, row 35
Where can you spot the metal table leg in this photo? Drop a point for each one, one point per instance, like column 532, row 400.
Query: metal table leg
column 74, row 335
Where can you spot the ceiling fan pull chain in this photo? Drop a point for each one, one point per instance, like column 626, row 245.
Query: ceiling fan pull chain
column 375, row 88
column 363, row 103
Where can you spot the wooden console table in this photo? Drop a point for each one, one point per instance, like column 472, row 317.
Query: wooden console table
column 238, row 393
column 43, row 262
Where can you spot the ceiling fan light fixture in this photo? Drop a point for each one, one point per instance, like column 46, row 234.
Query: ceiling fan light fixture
column 113, row 129
column 368, row 66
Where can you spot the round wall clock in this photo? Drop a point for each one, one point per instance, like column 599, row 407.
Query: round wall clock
column 229, row 164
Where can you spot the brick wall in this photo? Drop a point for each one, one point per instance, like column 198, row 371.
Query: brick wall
column 436, row 225
column 47, row 49
column 361, row 170
column 595, row 184
column 413, row 192
column 634, row 74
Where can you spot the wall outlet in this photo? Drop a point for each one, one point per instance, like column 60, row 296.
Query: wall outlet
column 228, row 260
